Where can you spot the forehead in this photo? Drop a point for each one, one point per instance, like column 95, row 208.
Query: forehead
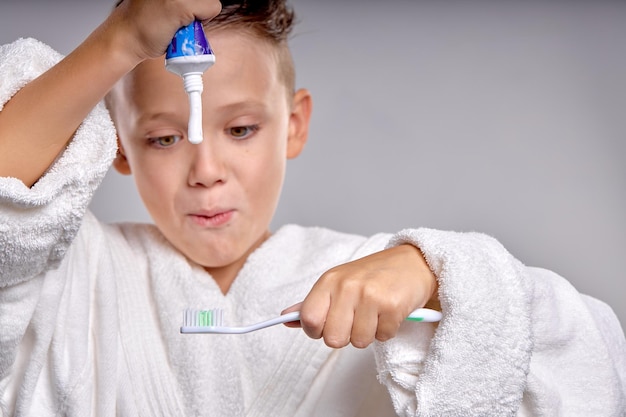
column 246, row 68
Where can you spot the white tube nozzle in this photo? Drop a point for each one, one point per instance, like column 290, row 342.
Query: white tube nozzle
column 194, row 87
column 191, row 68
column 189, row 55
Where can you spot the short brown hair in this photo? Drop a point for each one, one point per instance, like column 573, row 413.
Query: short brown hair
column 270, row 20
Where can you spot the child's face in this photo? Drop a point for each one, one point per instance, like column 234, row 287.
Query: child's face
column 213, row 201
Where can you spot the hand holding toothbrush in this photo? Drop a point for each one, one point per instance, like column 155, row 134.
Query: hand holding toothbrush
column 368, row 298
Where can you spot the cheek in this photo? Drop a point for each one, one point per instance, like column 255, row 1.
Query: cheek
column 156, row 185
column 265, row 176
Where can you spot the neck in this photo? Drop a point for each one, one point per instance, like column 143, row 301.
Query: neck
column 224, row 276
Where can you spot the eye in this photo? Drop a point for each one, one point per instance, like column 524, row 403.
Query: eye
column 242, row 132
column 165, row 141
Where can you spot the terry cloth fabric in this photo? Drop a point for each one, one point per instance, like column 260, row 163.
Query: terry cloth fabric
column 90, row 315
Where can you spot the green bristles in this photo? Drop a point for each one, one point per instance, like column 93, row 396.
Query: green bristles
column 205, row 318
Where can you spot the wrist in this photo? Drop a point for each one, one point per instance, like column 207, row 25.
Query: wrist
column 117, row 45
column 428, row 279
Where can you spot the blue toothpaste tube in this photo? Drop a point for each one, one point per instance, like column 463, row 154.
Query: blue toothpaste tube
column 189, row 55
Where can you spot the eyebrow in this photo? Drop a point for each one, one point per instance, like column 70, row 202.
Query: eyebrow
column 171, row 116
column 159, row 115
column 242, row 106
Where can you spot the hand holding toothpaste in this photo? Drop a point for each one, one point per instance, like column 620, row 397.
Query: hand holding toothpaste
column 188, row 54
column 152, row 24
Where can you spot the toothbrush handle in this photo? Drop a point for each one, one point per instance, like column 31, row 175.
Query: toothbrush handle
column 293, row 316
column 425, row 315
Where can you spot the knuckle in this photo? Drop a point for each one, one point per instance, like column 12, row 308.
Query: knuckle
column 372, row 294
column 311, row 333
column 335, row 342
column 383, row 336
column 332, row 275
column 308, row 321
column 349, row 284
column 312, row 327
column 392, row 306
column 311, row 323
column 387, row 328
column 360, row 343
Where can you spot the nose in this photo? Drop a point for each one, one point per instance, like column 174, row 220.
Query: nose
column 207, row 167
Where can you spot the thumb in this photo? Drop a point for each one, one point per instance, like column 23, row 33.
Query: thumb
column 295, row 307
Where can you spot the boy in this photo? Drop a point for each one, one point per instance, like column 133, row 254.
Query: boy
column 92, row 310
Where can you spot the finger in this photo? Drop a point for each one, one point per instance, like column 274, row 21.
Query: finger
column 209, row 10
column 339, row 320
column 388, row 325
column 295, row 307
column 313, row 311
column 364, row 327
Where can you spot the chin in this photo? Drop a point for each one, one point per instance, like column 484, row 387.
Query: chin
column 213, row 260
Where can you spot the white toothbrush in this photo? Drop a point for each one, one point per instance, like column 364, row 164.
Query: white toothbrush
column 212, row 321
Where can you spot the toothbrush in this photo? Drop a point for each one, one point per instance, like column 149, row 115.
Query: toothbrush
column 212, row 321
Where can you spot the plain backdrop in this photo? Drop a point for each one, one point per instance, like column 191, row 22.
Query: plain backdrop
column 504, row 117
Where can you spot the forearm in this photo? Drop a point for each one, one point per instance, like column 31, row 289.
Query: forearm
column 38, row 223
column 39, row 120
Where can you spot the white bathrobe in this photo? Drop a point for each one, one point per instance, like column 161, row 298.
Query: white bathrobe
column 90, row 316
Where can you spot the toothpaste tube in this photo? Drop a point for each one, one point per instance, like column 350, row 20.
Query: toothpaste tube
column 189, row 55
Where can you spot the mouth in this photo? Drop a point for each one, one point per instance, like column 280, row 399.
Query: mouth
column 214, row 218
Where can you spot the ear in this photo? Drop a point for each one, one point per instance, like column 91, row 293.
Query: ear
column 120, row 163
column 299, row 122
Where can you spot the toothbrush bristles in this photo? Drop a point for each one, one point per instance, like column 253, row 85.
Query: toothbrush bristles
column 203, row 318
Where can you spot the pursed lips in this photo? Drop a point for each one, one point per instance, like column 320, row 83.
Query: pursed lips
column 211, row 218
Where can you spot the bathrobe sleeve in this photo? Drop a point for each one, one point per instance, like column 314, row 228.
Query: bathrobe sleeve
column 513, row 341
column 38, row 224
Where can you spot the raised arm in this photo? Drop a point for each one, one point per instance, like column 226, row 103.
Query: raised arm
column 40, row 119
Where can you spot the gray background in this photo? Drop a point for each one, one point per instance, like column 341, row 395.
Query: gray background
column 504, row 117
